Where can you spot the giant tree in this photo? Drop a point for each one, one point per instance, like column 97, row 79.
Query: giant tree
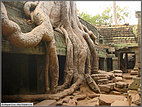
column 81, row 57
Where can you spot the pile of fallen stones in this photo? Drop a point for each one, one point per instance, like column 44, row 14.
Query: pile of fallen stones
column 110, row 82
column 134, row 92
column 108, row 89
column 113, row 83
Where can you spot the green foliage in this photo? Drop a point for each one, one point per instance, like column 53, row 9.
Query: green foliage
column 106, row 17
column 135, row 30
column 122, row 14
column 86, row 17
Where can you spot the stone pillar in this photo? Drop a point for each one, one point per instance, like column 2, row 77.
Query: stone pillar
column 136, row 60
column 126, row 62
column 119, row 60
column 115, row 63
column 138, row 15
column 105, row 64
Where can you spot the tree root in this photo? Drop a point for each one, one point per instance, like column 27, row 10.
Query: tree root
column 81, row 56
column 39, row 97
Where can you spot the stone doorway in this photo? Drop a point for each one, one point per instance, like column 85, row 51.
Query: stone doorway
column 109, row 64
column 101, row 63
column 62, row 60
column 127, row 61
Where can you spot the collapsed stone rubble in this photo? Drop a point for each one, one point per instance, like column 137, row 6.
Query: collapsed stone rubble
column 104, row 89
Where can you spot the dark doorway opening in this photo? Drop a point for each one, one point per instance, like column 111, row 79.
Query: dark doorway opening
column 127, row 61
column 109, row 64
column 131, row 61
column 62, row 60
column 101, row 63
column 20, row 74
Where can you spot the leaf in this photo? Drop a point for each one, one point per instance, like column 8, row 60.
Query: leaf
column 106, row 16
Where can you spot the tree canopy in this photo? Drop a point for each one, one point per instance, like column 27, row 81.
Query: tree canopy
column 106, row 17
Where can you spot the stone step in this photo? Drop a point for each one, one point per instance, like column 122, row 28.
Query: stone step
column 99, row 76
column 121, row 85
column 117, row 79
column 102, row 81
column 111, row 85
column 123, row 90
column 134, row 72
column 118, row 74
column 128, row 77
column 117, row 71
column 105, row 88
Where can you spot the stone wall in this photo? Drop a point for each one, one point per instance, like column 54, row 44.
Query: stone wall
column 16, row 13
column 117, row 34
column 138, row 65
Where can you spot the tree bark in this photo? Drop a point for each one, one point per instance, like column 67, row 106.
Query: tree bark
column 81, row 54
column 114, row 13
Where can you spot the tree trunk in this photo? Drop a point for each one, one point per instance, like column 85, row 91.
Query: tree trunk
column 114, row 13
column 81, row 54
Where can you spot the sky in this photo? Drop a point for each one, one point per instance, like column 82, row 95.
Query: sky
column 97, row 7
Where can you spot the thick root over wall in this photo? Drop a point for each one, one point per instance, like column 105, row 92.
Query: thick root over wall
column 81, row 57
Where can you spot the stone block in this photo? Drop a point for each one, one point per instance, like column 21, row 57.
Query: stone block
column 135, row 97
column 116, row 92
column 102, row 81
column 110, row 75
column 117, row 79
column 90, row 102
column 124, row 90
column 46, row 103
column 133, row 72
column 99, row 76
column 110, row 81
column 118, row 71
column 102, row 72
column 118, row 74
column 72, row 102
column 108, row 99
column 121, row 85
column 80, row 97
column 105, row 88
column 120, row 103
column 129, row 77
column 111, row 85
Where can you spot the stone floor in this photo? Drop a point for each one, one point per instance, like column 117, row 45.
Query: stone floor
column 109, row 95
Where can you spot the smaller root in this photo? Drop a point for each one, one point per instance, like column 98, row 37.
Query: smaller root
column 29, row 5
column 58, row 30
column 88, row 64
column 69, row 71
column 67, row 82
column 90, row 34
column 68, row 91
